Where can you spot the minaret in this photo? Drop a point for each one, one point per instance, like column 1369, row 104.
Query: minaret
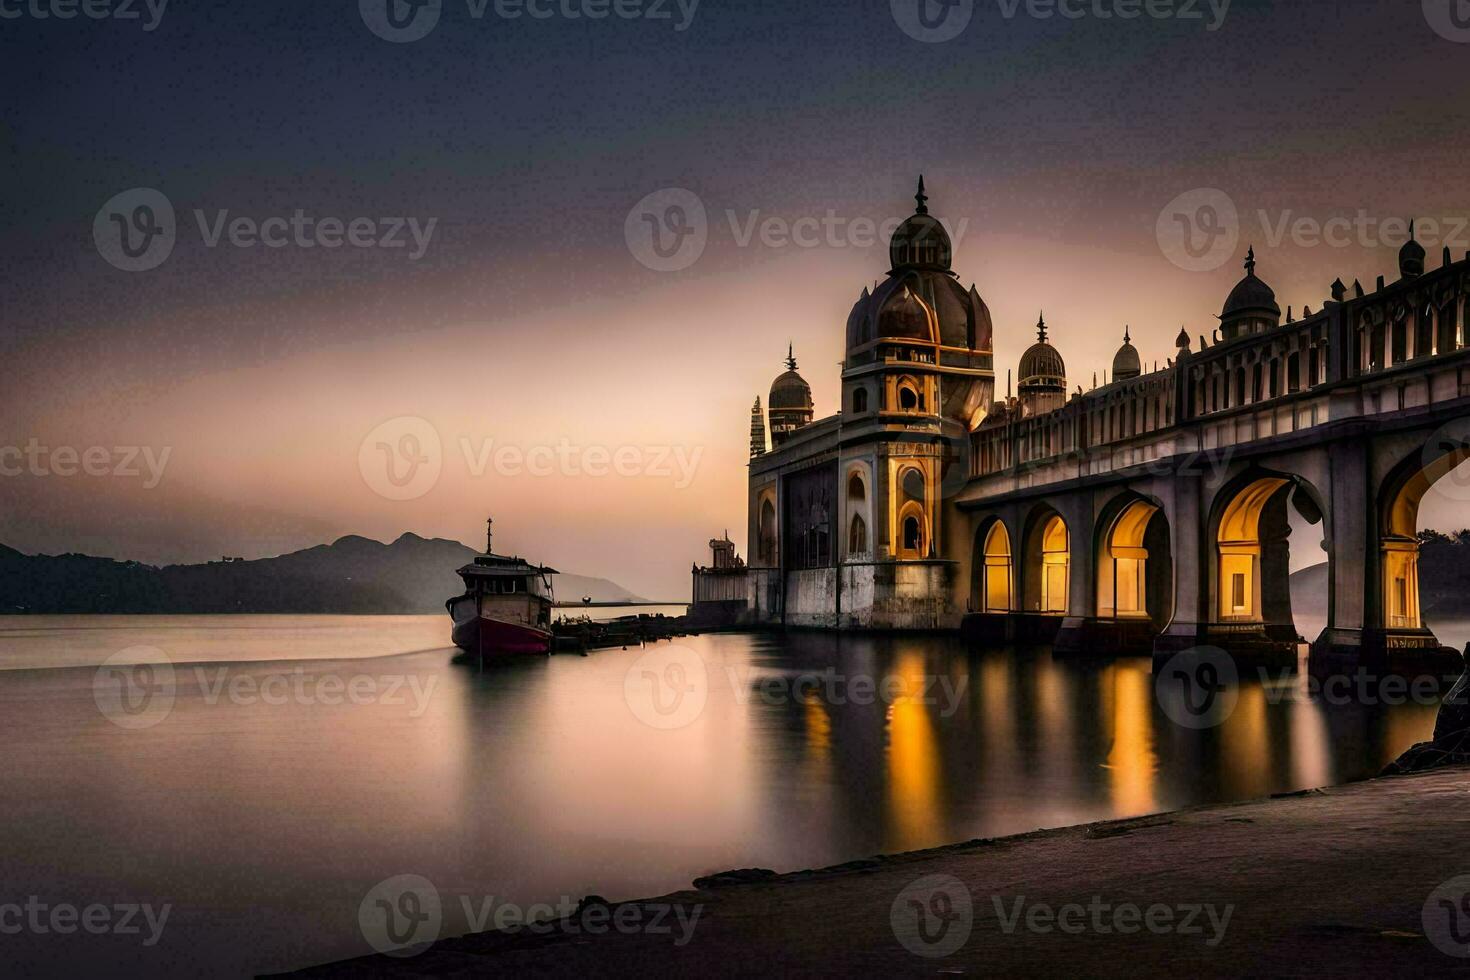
column 757, row 430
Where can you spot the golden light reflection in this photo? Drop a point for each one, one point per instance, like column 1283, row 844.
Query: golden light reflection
column 1246, row 750
column 913, row 762
column 1132, row 764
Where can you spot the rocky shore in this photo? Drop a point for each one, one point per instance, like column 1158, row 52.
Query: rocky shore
column 1371, row 878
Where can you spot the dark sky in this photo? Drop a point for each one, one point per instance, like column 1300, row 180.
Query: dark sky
column 1057, row 140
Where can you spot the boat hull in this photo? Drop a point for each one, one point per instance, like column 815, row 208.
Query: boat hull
column 485, row 635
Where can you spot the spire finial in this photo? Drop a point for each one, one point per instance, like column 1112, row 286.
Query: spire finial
column 1041, row 327
column 921, row 197
column 1411, row 229
column 1126, row 339
column 489, row 535
column 790, row 356
column 1250, row 261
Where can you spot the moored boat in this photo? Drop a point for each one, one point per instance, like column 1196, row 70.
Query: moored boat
column 505, row 608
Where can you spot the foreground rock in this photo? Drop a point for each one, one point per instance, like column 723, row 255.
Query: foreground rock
column 1450, row 745
column 1360, row 880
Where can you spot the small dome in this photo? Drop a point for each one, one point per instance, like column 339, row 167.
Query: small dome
column 1251, row 294
column 1182, row 341
column 1126, row 363
column 790, row 390
column 906, row 315
column 1411, row 257
column 921, row 241
column 1041, row 364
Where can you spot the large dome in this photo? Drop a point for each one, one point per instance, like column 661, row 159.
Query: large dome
column 1126, row 363
column 790, row 390
column 921, row 241
column 1251, row 294
column 1042, row 365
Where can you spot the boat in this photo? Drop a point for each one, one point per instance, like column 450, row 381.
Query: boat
column 506, row 605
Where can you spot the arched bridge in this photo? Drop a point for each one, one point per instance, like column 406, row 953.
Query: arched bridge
column 1154, row 513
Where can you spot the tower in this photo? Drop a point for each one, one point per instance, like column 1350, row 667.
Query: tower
column 1043, row 376
column 757, row 429
column 791, row 403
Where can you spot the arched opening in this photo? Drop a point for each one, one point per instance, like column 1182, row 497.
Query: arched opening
column 1446, row 341
column 1047, row 565
column 995, row 570
column 908, row 398
column 859, row 401
column 1401, row 537
column 856, row 491
column 1424, row 332
column 1400, row 341
column 1243, row 566
column 857, row 536
column 1135, row 566
column 766, row 533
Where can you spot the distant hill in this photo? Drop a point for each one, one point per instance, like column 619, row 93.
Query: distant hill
column 351, row 575
column 1444, row 578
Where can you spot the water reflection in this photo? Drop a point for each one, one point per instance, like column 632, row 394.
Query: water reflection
column 265, row 824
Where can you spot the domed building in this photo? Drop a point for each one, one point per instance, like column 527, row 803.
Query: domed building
column 790, row 401
column 1126, row 363
column 1411, row 257
column 848, row 512
column 1043, row 376
column 1251, row 306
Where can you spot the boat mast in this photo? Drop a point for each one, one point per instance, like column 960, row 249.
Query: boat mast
column 489, row 535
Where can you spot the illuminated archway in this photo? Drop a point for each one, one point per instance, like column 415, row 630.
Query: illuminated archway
column 1398, row 579
column 995, row 575
column 913, row 532
column 1046, row 565
column 766, row 533
column 1135, row 566
column 1239, row 552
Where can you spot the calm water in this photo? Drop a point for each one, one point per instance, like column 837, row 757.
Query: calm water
column 262, row 802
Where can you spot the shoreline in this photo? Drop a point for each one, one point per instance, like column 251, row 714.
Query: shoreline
column 1328, row 881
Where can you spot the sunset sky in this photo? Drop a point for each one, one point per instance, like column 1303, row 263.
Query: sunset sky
column 1050, row 145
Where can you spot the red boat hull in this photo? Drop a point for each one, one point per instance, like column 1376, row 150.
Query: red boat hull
column 501, row 637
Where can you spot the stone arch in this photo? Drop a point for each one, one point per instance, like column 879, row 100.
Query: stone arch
column 1248, row 573
column 1397, row 589
column 766, row 534
column 992, row 576
column 858, row 500
column 1135, row 574
column 1046, row 557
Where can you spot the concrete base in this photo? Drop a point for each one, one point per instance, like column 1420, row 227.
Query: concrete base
column 1345, row 651
column 1010, row 628
column 1088, row 636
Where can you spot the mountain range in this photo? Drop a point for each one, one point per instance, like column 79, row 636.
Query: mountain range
column 351, row 575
